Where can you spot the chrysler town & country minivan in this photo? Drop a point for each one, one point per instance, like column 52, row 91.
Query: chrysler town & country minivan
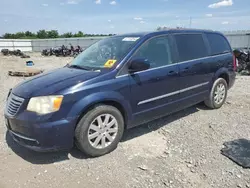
column 118, row 83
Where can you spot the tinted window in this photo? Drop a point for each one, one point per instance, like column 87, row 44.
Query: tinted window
column 190, row 46
column 156, row 50
column 218, row 44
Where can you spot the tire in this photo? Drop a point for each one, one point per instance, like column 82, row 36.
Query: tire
column 84, row 127
column 211, row 102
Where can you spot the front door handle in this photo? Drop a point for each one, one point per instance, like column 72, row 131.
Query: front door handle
column 172, row 72
column 157, row 79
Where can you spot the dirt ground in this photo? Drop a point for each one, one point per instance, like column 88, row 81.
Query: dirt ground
column 180, row 150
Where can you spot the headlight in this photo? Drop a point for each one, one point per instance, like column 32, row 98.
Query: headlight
column 45, row 105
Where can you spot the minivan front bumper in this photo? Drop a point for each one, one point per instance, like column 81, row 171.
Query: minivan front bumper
column 42, row 137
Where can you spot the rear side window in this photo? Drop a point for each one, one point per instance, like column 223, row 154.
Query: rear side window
column 218, row 44
column 190, row 46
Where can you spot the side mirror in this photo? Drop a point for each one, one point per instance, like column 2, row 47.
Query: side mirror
column 139, row 65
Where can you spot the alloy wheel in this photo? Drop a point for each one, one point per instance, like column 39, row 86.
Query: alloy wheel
column 219, row 93
column 102, row 131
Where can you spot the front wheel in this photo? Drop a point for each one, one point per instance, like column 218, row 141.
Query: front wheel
column 99, row 130
column 218, row 94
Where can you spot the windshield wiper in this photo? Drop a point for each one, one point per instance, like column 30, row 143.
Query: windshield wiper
column 77, row 67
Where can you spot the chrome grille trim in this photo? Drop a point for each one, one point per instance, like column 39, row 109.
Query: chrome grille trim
column 13, row 104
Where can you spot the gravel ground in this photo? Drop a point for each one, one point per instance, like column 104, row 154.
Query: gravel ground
column 181, row 150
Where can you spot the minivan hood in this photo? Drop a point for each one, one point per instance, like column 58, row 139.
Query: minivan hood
column 51, row 82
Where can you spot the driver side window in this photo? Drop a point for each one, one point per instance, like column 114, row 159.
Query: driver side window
column 156, row 50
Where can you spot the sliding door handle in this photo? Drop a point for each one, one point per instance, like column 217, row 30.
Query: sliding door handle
column 186, row 69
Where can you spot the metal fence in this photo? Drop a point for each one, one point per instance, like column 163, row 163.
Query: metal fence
column 40, row 44
column 37, row 45
column 237, row 39
column 15, row 44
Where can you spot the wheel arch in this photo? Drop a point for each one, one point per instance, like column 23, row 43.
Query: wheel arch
column 105, row 102
column 106, row 98
column 225, row 76
column 222, row 73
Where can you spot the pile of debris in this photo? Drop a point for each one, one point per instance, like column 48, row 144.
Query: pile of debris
column 26, row 71
column 7, row 52
column 63, row 51
column 243, row 58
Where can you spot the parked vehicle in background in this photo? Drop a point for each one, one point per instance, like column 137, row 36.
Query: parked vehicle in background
column 118, row 83
column 62, row 51
column 77, row 51
column 243, row 58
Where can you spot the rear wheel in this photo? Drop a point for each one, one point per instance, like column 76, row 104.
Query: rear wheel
column 218, row 94
column 99, row 130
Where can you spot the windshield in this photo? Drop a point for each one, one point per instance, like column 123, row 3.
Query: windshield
column 105, row 53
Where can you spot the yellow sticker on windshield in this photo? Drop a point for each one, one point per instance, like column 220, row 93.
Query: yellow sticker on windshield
column 109, row 63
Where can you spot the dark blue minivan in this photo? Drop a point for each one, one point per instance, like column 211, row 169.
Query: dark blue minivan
column 117, row 83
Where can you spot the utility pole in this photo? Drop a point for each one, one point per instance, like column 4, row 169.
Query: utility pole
column 190, row 22
column 248, row 45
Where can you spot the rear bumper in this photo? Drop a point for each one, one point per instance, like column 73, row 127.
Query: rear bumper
column 232, row 77
column 42, row 137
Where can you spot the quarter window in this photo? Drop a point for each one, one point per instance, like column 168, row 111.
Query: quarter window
column 190, row 46
column 157, row 51
column 218, row 44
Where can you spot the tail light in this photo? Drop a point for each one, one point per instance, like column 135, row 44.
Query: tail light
column 234, row 63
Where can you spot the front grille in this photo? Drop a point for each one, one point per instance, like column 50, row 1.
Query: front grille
column 13, row 104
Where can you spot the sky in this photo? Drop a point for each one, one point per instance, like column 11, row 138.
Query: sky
column 122, row 16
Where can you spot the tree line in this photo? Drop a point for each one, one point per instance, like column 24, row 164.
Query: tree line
column 43, row 34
